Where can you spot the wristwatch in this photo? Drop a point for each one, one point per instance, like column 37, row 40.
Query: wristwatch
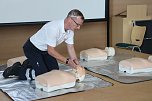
column 67, row 60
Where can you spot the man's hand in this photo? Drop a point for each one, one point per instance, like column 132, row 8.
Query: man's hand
column 72, row 63
column 76, row 61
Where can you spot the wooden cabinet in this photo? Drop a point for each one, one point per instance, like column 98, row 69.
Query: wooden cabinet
column 122, row 27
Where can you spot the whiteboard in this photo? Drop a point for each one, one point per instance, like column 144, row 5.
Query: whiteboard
column 17, row 11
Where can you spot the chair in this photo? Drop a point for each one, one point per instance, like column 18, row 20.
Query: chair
column 137, row 36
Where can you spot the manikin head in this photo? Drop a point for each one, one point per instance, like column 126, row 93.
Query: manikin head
column 79, row 73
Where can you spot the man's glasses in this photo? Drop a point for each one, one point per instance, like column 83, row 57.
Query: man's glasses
column 76, row 22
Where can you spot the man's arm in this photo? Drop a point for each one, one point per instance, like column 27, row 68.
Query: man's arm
column 55, row 54
column 72, row 53
column 58, row 56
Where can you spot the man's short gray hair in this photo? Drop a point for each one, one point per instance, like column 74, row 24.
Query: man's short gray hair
column 75, row 13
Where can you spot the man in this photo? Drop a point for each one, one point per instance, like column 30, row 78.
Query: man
column 40, row 48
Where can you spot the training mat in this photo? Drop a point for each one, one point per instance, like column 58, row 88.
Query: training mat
column 110, row 68
column 24, row 90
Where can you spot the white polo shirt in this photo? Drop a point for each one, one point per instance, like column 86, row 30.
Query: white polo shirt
column 52, row 34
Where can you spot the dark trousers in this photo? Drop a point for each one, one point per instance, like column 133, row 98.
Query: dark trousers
column 39, row 60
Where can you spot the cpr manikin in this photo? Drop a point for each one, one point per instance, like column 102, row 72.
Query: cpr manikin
column 135, row 65
column 150, row 58
column 57, row 79
column 96, row 54
column 11, row 61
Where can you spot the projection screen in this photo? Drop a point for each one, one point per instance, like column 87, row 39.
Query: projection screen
column 20, row 11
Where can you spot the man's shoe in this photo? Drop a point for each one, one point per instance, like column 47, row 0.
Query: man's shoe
column 13, row 70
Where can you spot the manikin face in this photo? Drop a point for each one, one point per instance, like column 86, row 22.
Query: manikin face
column 76, row 23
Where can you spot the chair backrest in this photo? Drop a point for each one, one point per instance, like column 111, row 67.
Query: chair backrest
column 137, row 35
